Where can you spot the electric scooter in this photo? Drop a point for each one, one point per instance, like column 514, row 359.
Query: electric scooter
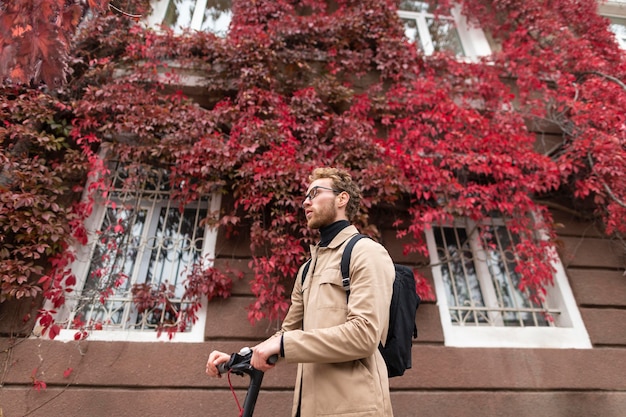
column 239, row 364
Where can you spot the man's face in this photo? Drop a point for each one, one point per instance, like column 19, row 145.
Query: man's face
column 320, row 207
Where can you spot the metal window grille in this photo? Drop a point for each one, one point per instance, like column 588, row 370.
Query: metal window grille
column 143, row 237
column 482, row 288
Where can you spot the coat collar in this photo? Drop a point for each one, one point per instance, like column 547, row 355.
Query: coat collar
column 343, row 235
column 338, row 240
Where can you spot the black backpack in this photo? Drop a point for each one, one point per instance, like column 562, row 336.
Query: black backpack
column 404, row 304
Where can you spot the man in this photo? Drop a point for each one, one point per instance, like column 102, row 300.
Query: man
column 334, row 338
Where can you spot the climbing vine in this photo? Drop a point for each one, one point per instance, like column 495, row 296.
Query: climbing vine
column 293, row 86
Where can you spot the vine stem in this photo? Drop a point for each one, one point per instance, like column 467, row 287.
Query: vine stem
column 134, row 16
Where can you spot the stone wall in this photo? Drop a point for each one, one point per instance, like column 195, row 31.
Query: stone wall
column 166, row 379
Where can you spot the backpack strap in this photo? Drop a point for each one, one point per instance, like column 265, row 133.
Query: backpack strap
column 345, row 267
column 345, row 262
column 305, row 271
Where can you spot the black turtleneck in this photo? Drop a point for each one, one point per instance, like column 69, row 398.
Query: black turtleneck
column 328, row 233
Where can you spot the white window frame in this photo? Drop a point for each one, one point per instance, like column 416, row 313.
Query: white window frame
column 159, row 10
column 81, row 265
column 473, row 40
column 620, row 36
column 614, row 9
column 569, row 330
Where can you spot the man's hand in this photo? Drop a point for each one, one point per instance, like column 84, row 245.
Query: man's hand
column 215, row 358
column 262, row 352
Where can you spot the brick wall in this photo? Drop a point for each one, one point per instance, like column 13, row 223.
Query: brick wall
column 165, row 379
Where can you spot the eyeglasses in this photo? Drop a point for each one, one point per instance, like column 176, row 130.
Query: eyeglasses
column 316, row 190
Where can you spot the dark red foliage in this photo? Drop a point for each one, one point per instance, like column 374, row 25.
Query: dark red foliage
column 297, row 85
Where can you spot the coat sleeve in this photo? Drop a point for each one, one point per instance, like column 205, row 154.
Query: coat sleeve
column 371, row 283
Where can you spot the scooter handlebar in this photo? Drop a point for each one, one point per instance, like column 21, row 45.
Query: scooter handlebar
column 239, row 363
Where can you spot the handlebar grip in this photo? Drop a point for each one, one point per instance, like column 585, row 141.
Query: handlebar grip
column 223, row 367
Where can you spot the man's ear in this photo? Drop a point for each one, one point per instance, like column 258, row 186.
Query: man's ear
column 343, row 199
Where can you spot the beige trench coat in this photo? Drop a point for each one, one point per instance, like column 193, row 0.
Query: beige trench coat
column 334, row 340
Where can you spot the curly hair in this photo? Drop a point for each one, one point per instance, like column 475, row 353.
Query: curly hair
column 342, row 181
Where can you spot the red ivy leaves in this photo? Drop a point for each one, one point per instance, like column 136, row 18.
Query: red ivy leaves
column 38, row 384
column 40, row 34
column 283, row 94
column 41, row 385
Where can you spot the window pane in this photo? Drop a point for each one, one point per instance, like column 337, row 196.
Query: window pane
column 480, row 281
column 410, row 31
column 518, row 310
column 173, row 250
column 429, row 34
column 217, row 16
column 175, row 247
column 207, row 15
column 618, row 26
column 463, row 291
column 414, row 6
column 144, row 239
column 115, row 251
column 113, row 261
column 444, row 36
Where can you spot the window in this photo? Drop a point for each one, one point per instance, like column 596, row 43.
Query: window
column 203, row 15
column 478, row 293
column 442, row 33
column 618, row 27
column 141, row 236
column 615, row 11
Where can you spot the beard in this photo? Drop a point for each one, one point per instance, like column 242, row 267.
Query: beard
column 324, row 216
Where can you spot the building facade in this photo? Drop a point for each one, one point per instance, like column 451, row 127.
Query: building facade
column 484, row 346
